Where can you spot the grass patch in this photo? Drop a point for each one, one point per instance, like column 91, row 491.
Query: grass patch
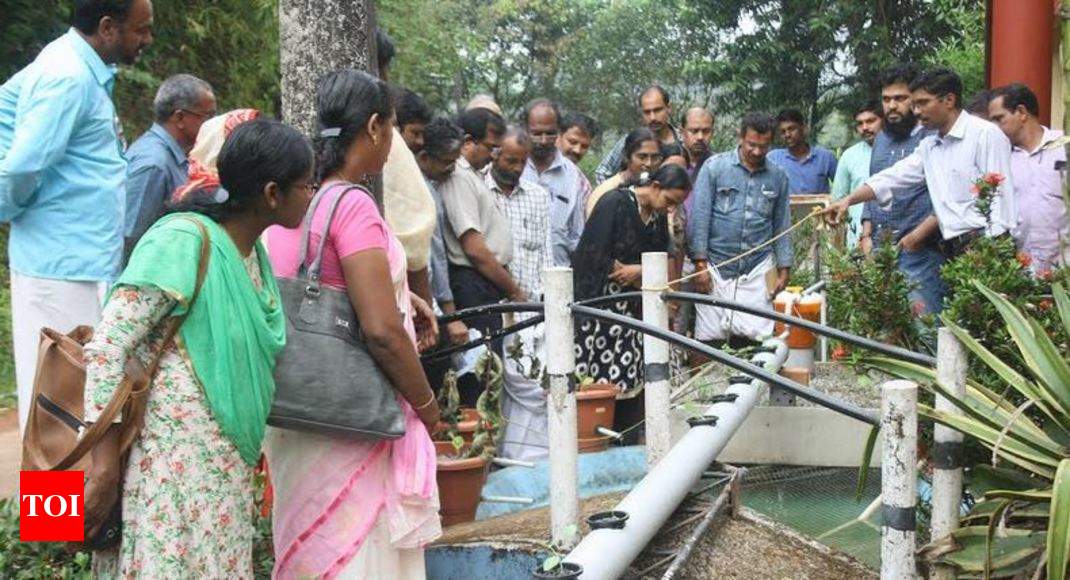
column 7, row 351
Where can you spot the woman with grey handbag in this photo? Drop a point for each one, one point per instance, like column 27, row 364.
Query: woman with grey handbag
column 351, row 505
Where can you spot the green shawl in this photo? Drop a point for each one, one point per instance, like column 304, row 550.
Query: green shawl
column 232, row 333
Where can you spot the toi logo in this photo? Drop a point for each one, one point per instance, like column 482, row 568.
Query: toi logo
column 51, row 506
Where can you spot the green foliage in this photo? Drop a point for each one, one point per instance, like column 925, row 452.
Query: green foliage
column 870, row 297
column 1031, row 508
column 994, row 262
column 33, row 560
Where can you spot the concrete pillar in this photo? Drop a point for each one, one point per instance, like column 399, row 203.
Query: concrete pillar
column 656, row 359
column 899, row 421
column 951, row 366
column 561, row 406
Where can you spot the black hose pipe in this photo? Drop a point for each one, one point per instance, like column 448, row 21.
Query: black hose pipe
column 745, row 367
column 449, row 351
column 491, row 309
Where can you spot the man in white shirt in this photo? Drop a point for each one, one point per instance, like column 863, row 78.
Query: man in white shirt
column 964, row 149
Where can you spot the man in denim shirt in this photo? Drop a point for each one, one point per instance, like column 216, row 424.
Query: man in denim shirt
column 910, row 222
column 741, row 202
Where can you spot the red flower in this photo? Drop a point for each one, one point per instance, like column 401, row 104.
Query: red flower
column 840, row 352
column 1045, row 275
column 1024, row 259
column 917, row 308
column 1045, row 304
column 975, row 190
column 993, row 178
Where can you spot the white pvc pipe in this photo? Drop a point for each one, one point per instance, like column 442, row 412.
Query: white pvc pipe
column 656, row 359
column 561, row 406
column 951, row 365
column 899, row 422
column 506, row 462
column 605, row 554
column 508, row 499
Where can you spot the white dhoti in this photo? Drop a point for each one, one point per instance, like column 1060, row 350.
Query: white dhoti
column 525, row 434
column 752, row 288
column 43, row 302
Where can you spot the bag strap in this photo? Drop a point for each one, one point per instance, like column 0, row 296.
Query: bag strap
column 306, row 231
column 91, row 436
column 317, row 262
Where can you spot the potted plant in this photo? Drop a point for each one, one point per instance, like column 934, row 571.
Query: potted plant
column 595, row 401
column 596, row 404
column 555, row 566
column 462, row 463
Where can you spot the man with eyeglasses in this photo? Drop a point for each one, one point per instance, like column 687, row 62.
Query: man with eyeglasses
column 157, row 161
column 479, row 243
column 549, row 167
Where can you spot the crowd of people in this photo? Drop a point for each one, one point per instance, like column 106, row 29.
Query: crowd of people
column 429, row 214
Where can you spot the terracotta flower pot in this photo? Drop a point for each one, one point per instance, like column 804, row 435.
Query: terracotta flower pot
column 446, row 448
column 466, row 426
column 800, row 375
column 593, row 444
column 595, row 407
column 460, row 483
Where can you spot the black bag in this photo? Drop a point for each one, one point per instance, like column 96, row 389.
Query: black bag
column 325, row 379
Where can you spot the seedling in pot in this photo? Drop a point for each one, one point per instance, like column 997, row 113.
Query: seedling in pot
column 554, row 566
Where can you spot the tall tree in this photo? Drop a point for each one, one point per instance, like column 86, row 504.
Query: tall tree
column 316, row 37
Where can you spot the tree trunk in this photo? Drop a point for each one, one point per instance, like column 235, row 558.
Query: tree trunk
column 315, row 38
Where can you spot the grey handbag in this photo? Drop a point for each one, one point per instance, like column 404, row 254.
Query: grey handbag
column 325, row 379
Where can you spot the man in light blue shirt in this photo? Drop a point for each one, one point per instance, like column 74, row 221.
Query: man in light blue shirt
column 810, row 168
column 567, row 185
column 62, row 174
column 157, row 161
column 741, row 203
column 853, row 166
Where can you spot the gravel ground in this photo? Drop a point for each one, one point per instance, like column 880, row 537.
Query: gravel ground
column 749, row 546
column 835, row 379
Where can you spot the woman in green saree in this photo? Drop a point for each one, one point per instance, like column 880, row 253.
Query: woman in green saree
column 187, row 496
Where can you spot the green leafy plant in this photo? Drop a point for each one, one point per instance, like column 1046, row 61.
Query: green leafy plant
column 490, row 372
column 33, row 560
column 996, row 264
column 553, row 561
column 1023, row 519
column 870, row 296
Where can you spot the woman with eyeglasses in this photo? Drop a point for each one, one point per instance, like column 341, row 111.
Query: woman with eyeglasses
column 642, row 152
column 628, row 221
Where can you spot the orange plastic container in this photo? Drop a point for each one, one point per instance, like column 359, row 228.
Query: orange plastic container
column 808, row 308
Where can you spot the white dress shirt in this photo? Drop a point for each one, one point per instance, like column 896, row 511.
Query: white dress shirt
column 949, row 165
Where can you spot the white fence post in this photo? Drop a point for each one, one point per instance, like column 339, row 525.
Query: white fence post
column 951, row 365
column 561, row 406
column 899, row 422
column 656, row 358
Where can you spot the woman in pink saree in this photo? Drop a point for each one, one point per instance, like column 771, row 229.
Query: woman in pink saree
column 352, row 508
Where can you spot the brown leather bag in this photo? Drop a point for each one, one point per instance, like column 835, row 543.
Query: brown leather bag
column 56, row 437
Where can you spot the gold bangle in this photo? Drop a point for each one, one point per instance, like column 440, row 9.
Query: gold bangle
column 430, row 400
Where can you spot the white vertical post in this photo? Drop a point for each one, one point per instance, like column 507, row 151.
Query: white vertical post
column 899, row 422
column 561, row 406
column 951, row 366
column 656, row 358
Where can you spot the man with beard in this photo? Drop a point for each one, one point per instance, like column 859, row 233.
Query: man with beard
column 566, row 184
column 853, row 167
column 578, row 131
column 961, row 149
column 655, row 109
column 698, row 130
column 525, row 203
column 810, row 168
column 62, row 174
column 910, row 221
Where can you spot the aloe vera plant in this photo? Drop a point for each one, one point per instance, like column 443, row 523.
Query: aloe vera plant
column 1022, row 521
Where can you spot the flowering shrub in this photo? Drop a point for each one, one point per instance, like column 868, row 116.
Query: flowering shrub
column 985, row 189
column 995, row 262
column 870, row 297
